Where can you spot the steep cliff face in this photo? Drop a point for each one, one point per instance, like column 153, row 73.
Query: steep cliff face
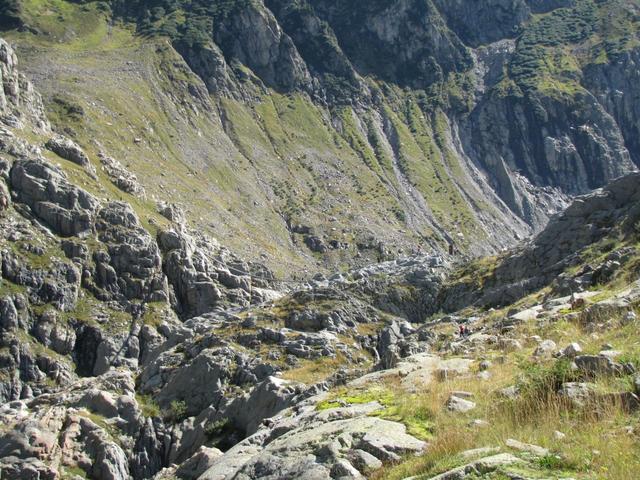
column 548, row 115
column 19, row 103
column 525, row 82
column 615, row 86
column 253, row 37
column 452, row 122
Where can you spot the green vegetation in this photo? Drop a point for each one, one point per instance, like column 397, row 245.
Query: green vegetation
column 402, row 408
column 191, row 23
column 475, row 272
column 88, row 308
column 64, row 111
column 148, row 406
column 344, row 396
column 153, row 313
column 10, row 288
column 595, row 444
column 177, row 411
column 104, row 423
column 554, row 47
column 311, row 372
column 72, row 472
column 37, row 260
column 214, row 429
column 360, row 144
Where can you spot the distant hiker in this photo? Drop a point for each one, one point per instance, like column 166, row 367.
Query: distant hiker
column 451, row 249
column 461, row 331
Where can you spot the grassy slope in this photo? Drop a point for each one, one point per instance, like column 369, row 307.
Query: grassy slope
column 283, row 158
column 556, row 46
column 598, row 444
column 280, row 158
column 602, row 439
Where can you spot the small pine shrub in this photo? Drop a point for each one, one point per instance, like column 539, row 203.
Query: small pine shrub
column 177, row 411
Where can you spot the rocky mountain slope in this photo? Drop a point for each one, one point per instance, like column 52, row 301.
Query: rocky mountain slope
column 134, row 346
column 234, row 240
column 314, row 134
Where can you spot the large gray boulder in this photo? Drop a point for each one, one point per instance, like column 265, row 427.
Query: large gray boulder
column 577, row 393
column 9, row 319
column 595, row 365
column 460, row 405
column 198, row 384
column 67, row 149
column 199, row 463
column 54, row 333
column 264, row 401
column 483, row 466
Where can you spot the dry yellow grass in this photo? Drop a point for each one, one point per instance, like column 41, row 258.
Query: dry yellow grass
column 597, row 443
column 315, row 371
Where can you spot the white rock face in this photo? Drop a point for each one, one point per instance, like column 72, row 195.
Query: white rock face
column 526, row 447
column 419, row 370
column 546, row 348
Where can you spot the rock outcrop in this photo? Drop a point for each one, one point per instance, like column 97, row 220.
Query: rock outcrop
column 604, row 213
column 19, row 102
column 130, row 265
column 67, row 209
column 53, row 435
column 205, row 276
column 68, row 150
column 324, row 445
column 120, row 176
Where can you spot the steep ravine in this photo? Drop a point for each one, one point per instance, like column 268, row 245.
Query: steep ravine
column 530, row 100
